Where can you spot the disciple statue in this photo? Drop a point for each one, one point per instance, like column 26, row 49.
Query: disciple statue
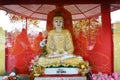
column 59, row 46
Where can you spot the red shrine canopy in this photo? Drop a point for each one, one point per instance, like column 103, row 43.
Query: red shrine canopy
column 100, row 57
column 40, row 11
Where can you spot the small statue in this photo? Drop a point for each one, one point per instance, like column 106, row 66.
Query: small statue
column 59, row 46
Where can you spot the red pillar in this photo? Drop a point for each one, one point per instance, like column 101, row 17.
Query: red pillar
column 101, row 57
column 107, row 33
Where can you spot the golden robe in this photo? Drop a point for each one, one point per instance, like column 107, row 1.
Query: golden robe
column 60, row 50
column 59, row 42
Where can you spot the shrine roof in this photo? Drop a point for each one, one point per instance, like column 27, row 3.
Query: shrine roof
column 39, row 9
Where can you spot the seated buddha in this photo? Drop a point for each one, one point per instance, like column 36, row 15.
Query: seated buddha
column 59, row 46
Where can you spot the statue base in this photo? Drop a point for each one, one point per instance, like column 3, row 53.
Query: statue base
column 61, row 78
column 61, row 71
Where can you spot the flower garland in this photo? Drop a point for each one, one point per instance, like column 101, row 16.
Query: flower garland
column 35, row 68
column 43, row 45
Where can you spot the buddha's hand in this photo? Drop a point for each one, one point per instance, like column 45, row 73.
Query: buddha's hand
column 53, row 55
column 56, row 53
column 65, row 53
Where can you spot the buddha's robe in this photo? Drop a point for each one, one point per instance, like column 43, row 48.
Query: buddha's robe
column 59, row 42
column 60, row 50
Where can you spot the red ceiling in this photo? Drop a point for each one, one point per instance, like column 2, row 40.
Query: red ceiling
column 39, row 9
column 57, row 2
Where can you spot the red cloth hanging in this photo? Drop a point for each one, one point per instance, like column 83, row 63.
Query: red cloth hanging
column 36, row 45
column 21, row 54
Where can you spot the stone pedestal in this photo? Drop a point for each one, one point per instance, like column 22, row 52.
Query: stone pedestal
column 61, row 78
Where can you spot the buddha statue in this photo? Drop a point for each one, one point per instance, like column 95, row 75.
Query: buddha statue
column 59, row 46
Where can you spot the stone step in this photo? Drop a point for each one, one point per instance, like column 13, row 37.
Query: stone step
column 61, row 78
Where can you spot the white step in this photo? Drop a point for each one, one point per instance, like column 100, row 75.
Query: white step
column 60, row 78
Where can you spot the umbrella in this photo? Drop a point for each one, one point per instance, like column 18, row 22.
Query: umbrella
column 40, row 11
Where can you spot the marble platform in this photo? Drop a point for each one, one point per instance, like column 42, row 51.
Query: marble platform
column 61, row 78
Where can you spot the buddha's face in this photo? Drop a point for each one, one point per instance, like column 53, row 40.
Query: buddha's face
column 58, row 22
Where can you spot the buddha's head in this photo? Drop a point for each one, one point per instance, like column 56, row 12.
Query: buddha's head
column 58, row 21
